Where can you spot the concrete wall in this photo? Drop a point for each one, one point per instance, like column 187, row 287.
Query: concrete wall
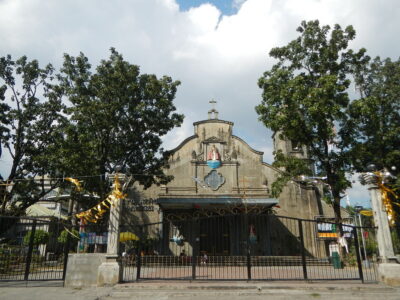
column 82, row 269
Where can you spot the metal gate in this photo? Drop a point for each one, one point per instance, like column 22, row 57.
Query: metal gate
column 32, row 249
column 247, row 247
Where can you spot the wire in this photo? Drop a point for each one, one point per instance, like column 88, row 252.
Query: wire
column 63, row 178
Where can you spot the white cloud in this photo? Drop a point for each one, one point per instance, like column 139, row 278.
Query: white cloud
column 214, row 56
column 359, row 194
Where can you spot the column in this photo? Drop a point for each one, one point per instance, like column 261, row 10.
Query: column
column 389, row 268
column 383, row 236
column 110, row 271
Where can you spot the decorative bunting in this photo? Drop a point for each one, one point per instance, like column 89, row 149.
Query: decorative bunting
column 77, row 183
column 367, row 213
column 387, row 202
column 96, row 212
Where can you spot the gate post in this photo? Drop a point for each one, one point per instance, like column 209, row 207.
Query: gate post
column 195, row 240
column 138, row 255
column 303, row 256
column 66, row 251
column 248, row 258
column 30, row 250
column 110, row 272
column 357, row 245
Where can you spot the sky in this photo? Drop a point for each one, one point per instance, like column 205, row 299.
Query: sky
column 218, row 49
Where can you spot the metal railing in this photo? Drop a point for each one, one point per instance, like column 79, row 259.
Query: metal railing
column 31, row 249
column 245, row 247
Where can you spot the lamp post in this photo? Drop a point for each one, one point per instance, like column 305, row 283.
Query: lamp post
column 359, row 208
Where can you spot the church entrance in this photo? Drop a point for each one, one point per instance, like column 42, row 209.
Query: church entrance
column 214, row 236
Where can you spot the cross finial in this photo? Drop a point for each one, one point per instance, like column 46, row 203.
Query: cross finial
column 213, row 102
column 213, row 110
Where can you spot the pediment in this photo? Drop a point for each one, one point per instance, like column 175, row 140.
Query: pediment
column 213, row 139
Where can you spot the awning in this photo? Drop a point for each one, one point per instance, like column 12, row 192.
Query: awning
column 166, row 202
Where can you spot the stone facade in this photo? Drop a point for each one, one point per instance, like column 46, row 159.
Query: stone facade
column 234, row 175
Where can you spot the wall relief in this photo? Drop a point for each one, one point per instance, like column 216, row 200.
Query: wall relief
column 214, row 180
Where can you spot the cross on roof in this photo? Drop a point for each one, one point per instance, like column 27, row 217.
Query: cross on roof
column 213, row 102
column 213, row 113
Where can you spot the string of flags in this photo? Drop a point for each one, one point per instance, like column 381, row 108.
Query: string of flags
column 387, row 202
column 76, row 182
column 96, row 212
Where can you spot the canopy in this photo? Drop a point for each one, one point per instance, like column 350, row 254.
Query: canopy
column 127, row 236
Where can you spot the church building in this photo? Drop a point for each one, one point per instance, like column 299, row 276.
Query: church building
column 216, row 174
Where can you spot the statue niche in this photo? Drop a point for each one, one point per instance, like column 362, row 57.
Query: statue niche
column 213, row 158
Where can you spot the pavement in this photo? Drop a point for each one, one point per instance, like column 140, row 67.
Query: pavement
column 221, row 290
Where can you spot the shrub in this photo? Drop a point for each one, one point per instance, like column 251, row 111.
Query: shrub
column 40, row 237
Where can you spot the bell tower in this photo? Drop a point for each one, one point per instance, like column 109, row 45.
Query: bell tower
column 291, row 148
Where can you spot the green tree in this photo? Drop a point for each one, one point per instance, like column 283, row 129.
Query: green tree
column 305, row 97
column 40, row 237
column 376, row 116
column 30, row 130
column 117, row 118
column 292, row 167
column 73, row 238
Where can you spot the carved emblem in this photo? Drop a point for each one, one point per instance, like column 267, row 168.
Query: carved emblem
column 200, row 156
column 214, row 180
column 227, row 156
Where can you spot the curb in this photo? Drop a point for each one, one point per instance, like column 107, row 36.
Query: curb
column 254, row 286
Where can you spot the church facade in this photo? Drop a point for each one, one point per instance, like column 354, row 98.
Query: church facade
column 215, row 175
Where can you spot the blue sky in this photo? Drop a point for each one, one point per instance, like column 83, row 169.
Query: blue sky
column 217, row 49
column 227, row 7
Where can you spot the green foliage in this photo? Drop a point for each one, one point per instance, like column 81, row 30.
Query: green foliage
column 117, row 118
column 31, row 128
column 113, row 116
column 376, row 117
column 350, row 259
column 74, row 237
column 305, row 96
column 396, row 240
column 292, row 167
column 40, row 237
column 371, row 246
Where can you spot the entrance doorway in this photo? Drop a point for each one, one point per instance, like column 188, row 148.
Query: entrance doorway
column 214, row 236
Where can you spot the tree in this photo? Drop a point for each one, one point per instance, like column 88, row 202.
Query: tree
column 305, row 97
column 293, row 167
column 376, row 116
column 40, row 237
column 117, row 118
column 73, row 238
column 30, row 130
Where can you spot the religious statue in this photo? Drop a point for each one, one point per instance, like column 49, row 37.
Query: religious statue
column 213, row 158
column 213, row 154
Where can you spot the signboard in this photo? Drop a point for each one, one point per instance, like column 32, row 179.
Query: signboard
column 142, row 205
column 328, row 230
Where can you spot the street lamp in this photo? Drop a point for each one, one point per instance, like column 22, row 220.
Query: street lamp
column 359, row 208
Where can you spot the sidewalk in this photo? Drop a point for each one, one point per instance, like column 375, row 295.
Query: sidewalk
column 204, row 290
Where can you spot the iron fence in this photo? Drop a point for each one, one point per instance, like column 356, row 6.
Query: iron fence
column 247, row 247
column 32, row 249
